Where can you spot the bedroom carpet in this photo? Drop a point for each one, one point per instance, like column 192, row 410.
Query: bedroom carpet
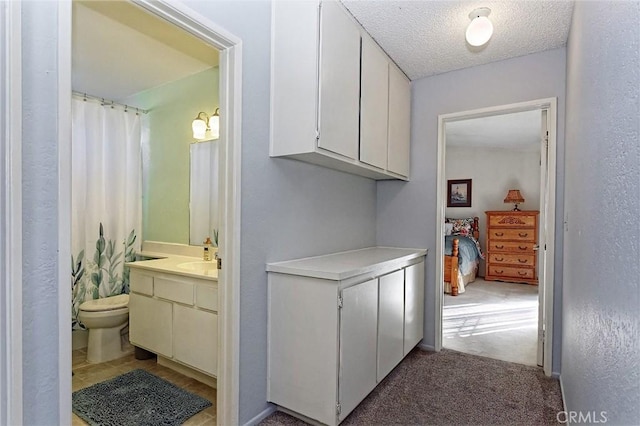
column 453, row 388
column 493, row 319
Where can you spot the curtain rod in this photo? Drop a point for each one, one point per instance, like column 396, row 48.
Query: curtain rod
column 108, row 102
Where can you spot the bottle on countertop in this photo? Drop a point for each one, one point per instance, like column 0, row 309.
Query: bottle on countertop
column 207, row 249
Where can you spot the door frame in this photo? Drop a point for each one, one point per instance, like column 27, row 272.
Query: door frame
column 230, row 48
column 547, row 284
column 11, row 398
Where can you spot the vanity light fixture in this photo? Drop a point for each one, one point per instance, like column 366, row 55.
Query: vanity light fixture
column 480, row 28
column 204, row 122
column 514, row 197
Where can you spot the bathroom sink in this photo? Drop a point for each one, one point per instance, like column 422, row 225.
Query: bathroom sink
column 202, row 266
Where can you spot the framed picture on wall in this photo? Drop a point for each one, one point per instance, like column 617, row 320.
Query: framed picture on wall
column 459, row 193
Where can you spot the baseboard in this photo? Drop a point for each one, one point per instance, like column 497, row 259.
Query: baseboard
column 564, row 400
column 261, row 415
column 425, row 347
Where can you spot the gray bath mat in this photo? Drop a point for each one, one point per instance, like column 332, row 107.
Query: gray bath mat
column 136, row 398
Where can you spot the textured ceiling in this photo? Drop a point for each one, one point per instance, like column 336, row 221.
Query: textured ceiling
column 427, row 37
column 517, row 131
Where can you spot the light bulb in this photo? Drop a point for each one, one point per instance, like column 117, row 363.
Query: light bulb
column 199, row 127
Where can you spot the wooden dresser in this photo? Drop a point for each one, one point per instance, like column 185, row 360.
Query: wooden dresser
column 512, row 238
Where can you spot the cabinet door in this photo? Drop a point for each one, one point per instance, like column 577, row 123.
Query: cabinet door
column 195, row 340
column 374, row 104
column 399, row 122
column 150, row 324
column 390, row 322
column 413, row 306
column 358, row 326
column 339, row 81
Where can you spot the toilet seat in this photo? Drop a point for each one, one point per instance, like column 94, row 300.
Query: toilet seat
column 106, row 304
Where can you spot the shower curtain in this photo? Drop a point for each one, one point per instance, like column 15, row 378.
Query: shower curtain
column 106, row 200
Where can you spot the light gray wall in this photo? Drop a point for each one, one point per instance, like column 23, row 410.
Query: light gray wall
column 406, row 212
column 289, row 209
column 600, row 347
column 40, row 213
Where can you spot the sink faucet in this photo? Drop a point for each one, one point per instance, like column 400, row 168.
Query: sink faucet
column 206, row 255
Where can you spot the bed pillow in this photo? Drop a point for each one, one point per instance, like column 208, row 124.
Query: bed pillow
column 448, row 228
column 461, row 226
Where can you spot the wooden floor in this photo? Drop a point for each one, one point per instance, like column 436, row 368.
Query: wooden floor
column 85, row 374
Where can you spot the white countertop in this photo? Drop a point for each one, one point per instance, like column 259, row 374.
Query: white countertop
column 169, row 263
column 347, row 264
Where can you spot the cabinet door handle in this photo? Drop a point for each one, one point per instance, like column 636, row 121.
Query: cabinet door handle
column 500, row 259
column 499, row 234
column 522, row 274
column 523, row 234
column 499, row 247
column 522, row 248
column 523, row 260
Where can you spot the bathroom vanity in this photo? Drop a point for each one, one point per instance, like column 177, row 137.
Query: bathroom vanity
column 173, row 312
column 338, row 324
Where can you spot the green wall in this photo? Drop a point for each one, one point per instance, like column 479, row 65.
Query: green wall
column 165, row 157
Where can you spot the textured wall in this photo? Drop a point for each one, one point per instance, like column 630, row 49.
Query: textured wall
column 406, row 212
column 494, row 172
column 289, row 209
column 600, row 349
column 40, row 213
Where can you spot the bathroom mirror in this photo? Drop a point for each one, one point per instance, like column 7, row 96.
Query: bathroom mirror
column 203, row 191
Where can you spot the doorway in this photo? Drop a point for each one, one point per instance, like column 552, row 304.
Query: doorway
column 229, row 47
column 543, row 192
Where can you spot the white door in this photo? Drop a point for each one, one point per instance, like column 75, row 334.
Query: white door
column 358, row 328
column 399, row 143
column 542, row 232
column 339, row 81
column 390, row 322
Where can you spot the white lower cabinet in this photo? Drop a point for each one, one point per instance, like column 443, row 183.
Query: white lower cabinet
column 337, row 326
column 175, row 317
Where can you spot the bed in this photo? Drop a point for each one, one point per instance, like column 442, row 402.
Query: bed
column 462, row 254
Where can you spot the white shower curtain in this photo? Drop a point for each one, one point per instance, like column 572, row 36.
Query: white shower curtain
column 106, row 198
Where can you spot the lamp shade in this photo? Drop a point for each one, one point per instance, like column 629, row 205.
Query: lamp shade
column 214, row 124
column 199, row 127
column 514, row 196
column 480, row 28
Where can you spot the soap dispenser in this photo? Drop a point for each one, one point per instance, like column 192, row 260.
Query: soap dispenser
column 207, row 249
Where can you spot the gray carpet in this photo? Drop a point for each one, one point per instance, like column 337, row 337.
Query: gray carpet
column 452, row 388
column 136, row 398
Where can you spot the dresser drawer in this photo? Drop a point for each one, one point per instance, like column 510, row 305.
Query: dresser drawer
column 510, row 246
column 175, row 290
column 512, row 259
column 511, row 271
column 141, row 283
column 509, row 220
column 527, row 234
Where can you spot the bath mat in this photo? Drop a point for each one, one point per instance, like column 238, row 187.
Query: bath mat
column 136, row 398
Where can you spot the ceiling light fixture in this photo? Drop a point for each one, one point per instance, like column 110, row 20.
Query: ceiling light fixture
column 480, row 28
column 203, row 123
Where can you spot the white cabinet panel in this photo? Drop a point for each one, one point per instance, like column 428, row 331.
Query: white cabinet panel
column 413, row 306
column 374, row 100
column 399, row 122
column 196, row 338
column 390, row 322
column 150, row 324
column 358, row 328
column 339, row 81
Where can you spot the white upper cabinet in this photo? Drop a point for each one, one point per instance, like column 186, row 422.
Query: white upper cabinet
column 374, row 104
column 339, row 82
column 399, row 122
column 331, row 92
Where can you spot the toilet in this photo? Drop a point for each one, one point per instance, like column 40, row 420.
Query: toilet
column 107, row 320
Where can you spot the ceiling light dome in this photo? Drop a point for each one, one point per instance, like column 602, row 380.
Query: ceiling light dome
column 480, row 28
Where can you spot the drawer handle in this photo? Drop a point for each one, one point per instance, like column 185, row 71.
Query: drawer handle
column 499, row 234
column 499, row 247
column 523, row 261
column 499, row 260
column 499, row 272
column 522, row 274
column 523, row 234
column 522, row 248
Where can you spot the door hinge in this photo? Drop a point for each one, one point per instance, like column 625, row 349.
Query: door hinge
column 339, row 302
column 317, row 134
column 338, row 408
